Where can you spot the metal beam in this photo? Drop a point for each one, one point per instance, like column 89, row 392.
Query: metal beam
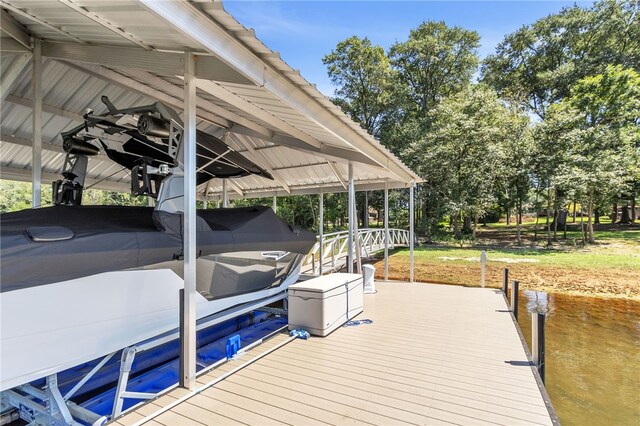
column 171, row 89
column 26, row 102
column 14, row 29
column 135, row 86
column 326, row 151
column 205, row 31
column 265, row 163
column 257, row 112
column 36, row 149
column 24, row 175
column 235, row 187
column 29, row 143
column 26, row 14
column 334, row 168
column 188, row 321
column 10, row 47
column 105, row 23
column 163, row 63
column 12, row 75
column 372, row 185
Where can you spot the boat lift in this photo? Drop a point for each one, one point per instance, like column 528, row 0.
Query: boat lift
column 51, row 407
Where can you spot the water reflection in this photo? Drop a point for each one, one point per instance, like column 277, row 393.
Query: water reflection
column 592, row 356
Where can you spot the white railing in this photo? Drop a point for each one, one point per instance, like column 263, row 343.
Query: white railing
column 335, row 249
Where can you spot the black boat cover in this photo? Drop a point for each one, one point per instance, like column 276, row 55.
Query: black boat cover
column 52, row 244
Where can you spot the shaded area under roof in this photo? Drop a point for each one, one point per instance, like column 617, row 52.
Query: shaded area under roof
column 131, row 51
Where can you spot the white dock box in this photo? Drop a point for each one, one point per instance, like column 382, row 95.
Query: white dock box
column 322, row 304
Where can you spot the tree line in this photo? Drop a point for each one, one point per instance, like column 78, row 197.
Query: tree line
column 549, row 120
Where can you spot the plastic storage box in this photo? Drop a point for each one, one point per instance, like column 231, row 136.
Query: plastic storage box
column 322, row 304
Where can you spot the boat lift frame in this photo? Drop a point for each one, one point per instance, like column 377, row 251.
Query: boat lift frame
column 50, row 407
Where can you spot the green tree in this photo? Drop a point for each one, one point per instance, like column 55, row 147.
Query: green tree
column 598, row 130
column 538, row 64
column 462, row 157
column 363, row 76
column 436, row 61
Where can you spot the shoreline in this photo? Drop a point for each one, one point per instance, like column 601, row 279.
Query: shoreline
column 546, row 289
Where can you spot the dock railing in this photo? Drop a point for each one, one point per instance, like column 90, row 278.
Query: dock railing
column 331, row 250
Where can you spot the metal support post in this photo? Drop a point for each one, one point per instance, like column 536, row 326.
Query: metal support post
column 321, row 232
column 275, row 203
column 225, row 194
column 483, row 267
column 411, row 231
column 356, row 235
column 514, row 298
column 36, row 151
column 537, row 341
column 188, row 343
column 386, row 231
column 57, row 406
column 351, row 200
column 126, row 362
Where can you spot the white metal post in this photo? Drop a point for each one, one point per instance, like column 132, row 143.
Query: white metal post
column 225, row 194
column 356, row 237
column 321, row 232
column 386, row 231
column 365, row 216
column 483, row 267
column 36, row 151
column 351, row 203
column 188, row 344
column 275, row 203
column 411, row 230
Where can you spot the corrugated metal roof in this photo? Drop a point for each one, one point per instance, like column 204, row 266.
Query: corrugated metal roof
column 70, row 88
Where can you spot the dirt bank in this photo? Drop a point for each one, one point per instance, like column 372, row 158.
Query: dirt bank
column 600, row 282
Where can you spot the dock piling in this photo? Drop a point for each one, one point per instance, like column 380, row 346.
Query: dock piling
column 537, row 341
column 505, row 281
column 514, row 298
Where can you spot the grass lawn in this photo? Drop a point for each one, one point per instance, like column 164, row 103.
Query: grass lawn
column 610, row 268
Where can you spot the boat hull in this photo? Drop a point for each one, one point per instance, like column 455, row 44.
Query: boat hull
column 48, row 329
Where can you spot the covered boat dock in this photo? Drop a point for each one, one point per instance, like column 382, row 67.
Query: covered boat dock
column 430, row 348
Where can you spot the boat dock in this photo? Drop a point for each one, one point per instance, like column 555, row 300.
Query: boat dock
column 434, row 354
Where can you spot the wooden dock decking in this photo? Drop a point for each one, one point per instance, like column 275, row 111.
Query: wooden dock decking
column 434, row 354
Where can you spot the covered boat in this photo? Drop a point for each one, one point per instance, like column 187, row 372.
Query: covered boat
column 81, row 282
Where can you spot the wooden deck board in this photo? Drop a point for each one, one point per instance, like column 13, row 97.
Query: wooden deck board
column 433, row 355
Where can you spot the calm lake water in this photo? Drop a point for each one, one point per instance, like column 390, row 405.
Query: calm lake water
column 592, row 357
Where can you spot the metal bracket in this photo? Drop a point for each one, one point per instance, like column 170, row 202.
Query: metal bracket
column 88, row 376
column 175, row 139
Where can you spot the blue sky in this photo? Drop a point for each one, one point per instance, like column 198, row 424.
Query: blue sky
column 304, row 31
